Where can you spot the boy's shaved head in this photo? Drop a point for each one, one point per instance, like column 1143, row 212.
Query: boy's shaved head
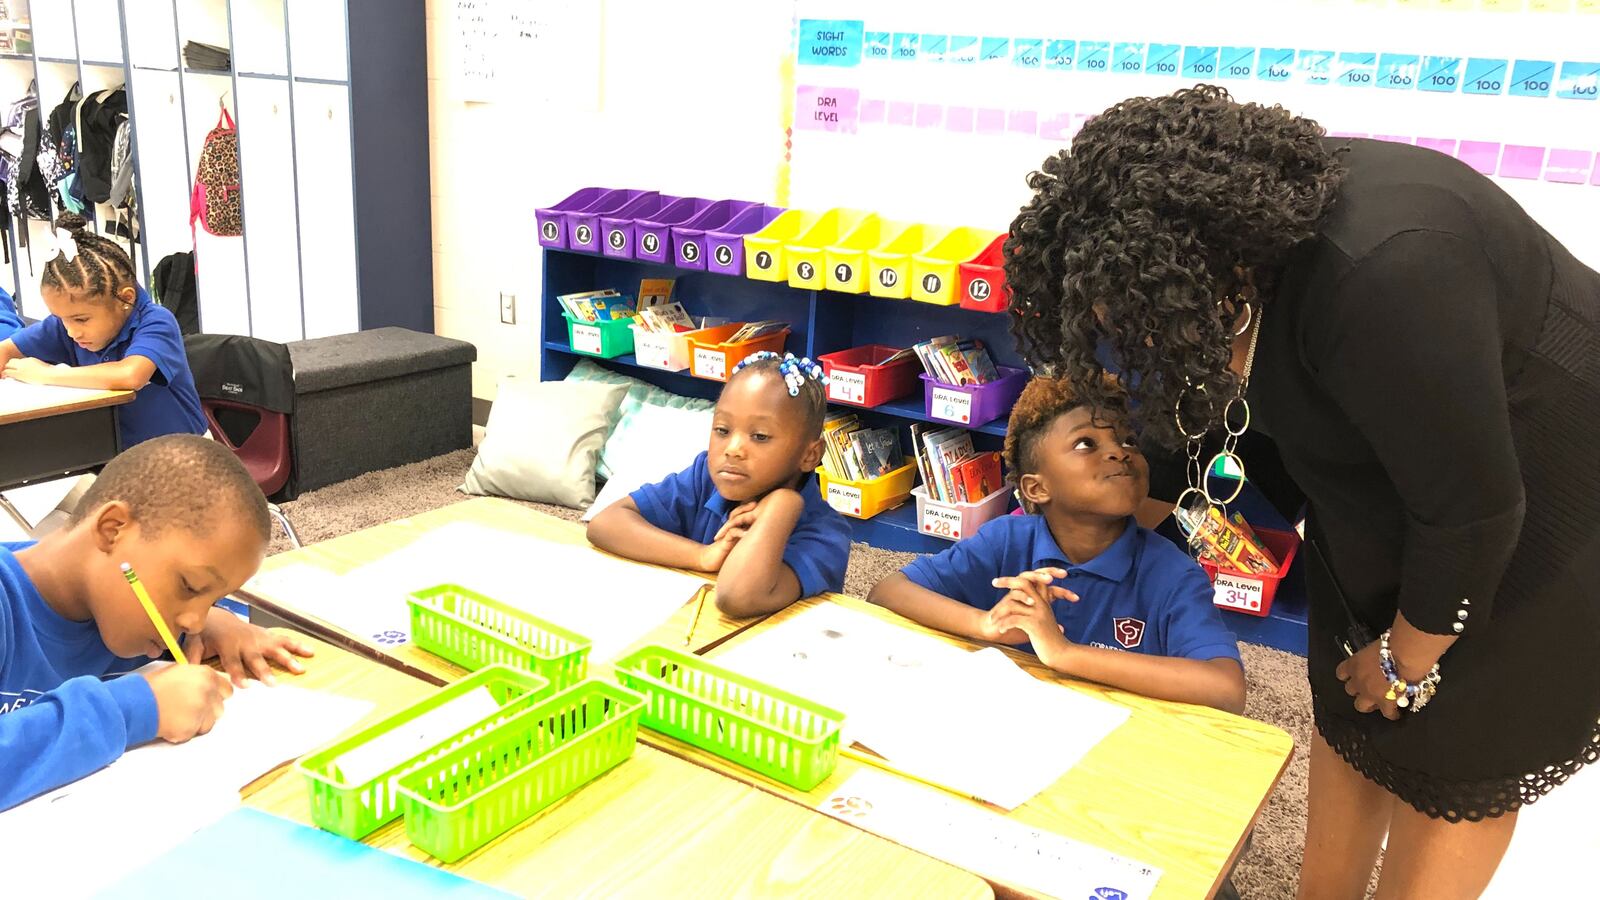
column 179, row 481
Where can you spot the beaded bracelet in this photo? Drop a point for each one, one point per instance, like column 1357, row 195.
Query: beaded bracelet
column 1413, row 696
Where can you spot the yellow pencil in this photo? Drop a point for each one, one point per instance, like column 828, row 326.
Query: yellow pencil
column 699, row 605
column 880, row 762
column 150, row 610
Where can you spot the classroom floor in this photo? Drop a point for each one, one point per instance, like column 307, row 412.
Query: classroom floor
column 1550, row 836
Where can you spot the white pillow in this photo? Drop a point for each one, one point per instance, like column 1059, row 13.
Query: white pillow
column 542, row 440
column 663, row 440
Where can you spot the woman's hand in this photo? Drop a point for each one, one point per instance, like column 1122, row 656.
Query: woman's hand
column 1364, row 681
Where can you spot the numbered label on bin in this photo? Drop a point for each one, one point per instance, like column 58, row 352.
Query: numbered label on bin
column 710, row 363
column 979, row 289
column 847, row 387
column 586, row 339
column 650, row 242
column 844, row 498
column 652, row 352
column 583, row 235
column 952, row 406
column 618, row 239
column 1234, row 592
column 690, row 251
column 941, row 521
column 550, row 231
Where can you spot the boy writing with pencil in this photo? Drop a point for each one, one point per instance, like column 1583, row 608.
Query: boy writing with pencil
column 170, row 527
column 1077, row 581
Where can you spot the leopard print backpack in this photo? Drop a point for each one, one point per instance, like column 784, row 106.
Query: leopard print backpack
column 215, row 202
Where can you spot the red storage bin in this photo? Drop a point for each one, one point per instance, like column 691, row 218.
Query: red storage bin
column 856, row 378
column 983, row 279
column 1252, row 594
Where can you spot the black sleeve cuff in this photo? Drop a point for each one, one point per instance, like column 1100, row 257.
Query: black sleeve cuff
column 1451, row 573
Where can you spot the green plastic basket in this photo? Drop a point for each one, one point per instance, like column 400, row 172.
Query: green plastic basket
column 458, row 801
column 473, row 631
column 356, row 810
column 786, row 738
column 607, row 339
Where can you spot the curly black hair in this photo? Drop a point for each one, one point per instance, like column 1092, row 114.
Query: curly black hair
column 1138, row 230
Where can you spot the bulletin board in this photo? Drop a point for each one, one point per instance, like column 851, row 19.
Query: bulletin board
column 938, row 111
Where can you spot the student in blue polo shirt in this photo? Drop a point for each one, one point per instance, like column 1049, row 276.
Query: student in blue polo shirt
column 1076, row 580
column 9, row 320
column 749, row 508
column 111, row 335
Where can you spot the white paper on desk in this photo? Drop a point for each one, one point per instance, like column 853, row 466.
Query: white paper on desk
column 974, row 722
column 975, row 839
column 19, row 395
column 377, row 756
column 157, row 795
column 612, row 602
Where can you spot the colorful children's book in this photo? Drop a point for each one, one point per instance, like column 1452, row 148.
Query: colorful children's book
column 655, row 292
column 878, row 449
column 666, row 318
column 752, row 330
column 977, row 476
column 582, row 306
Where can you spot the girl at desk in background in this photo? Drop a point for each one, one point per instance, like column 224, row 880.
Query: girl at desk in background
column 1078, row 582
column 749, row 508
column 110, row 333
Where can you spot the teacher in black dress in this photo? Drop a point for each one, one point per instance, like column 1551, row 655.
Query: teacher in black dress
column 1425, row 360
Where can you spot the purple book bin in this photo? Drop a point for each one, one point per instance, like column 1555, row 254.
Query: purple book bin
column 652, row 234
column 725, row 245
column 617, row 229
column 583, row 226
column 552, row 220
column 689, row 239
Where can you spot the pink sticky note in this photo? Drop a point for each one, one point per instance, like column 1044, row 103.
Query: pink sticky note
column 1520, row 161
column 958, row 118
column 826, row 108
column 1447, row 146
column 929, row 115
column 1023, row 121
column 1568, row 166
column 1392, row 138
column 1596, row 178
column 901, row 112
column 1481, row 155
column 1056, row 127
column 991, row 121
column 1345, row 134
column 872, row 112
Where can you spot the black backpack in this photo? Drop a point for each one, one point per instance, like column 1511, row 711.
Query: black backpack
column 99, row 115
column 172, row 282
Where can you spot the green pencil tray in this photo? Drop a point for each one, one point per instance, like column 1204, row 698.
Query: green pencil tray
column 473, row 631
column 356, row 810
column 784, row 737
column 458, row 801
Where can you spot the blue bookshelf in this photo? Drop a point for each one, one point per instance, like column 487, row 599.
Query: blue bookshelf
column 827, row 321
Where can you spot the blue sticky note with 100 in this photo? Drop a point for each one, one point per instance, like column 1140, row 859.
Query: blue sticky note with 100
column 1162, row 59
column 1060, row 54
column 1200, row 62
column 1440, row 73
column 1484, row 76
column 1275, row 64
column 1237, row 62
column 1532, row 77
column 1579, row 81
column 1094, row 56
column 1128, row 59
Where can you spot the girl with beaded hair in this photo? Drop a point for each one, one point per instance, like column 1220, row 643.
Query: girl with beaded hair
column 1421, row 355
column 748, row 508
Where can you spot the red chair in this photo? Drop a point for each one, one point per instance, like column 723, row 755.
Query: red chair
column 246, row 388
column 264, row 452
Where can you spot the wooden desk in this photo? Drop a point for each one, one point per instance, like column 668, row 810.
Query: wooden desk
column 654, row 826
column 55, row 432
column 346, row 552
column 1176, row 786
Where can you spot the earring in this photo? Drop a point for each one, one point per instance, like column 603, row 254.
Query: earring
column 1249, row 317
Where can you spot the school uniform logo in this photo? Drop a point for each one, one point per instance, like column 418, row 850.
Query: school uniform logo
column 1128, row 631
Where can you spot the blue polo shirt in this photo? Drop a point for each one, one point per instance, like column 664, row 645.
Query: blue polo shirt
column 9, row 320
column 688, row 504
column 169, row 404
column 59, row 721
column 1143, row 594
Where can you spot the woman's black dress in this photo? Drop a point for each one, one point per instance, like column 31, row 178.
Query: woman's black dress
column 1429, row 370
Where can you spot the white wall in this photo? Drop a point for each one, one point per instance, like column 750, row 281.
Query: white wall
column 694, row 96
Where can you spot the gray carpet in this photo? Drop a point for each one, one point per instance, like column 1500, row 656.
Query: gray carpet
column 1277, row 680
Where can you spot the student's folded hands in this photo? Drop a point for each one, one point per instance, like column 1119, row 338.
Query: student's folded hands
column 26, row 369
column 1025, row 613
column 245, row 650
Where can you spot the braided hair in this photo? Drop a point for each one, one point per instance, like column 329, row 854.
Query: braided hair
column 807, row 388
column 1136, row 232
column 101, row 270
